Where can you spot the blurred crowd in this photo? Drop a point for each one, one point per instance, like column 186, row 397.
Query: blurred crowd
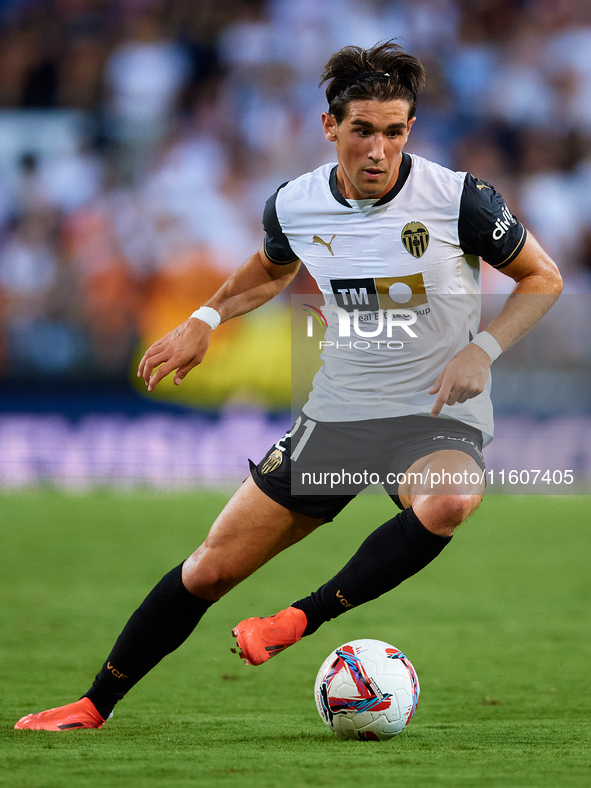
column 139, row 140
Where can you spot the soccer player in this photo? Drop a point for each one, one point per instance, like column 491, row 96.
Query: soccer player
column 377, row 220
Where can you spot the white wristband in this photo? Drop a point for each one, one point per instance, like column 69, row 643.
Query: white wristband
column 489, row 344
column 209, row 315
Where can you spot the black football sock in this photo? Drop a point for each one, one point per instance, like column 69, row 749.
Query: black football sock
column 163, row 621
column 396, row 550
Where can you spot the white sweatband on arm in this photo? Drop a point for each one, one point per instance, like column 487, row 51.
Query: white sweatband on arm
column 489, row 344
column 209, row 315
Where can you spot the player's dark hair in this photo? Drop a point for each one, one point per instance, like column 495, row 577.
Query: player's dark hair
column 385, row 72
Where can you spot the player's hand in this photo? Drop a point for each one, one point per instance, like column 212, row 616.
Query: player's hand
column 462, row 378
column 182, row 349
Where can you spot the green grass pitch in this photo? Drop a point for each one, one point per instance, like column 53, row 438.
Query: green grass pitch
column 498, row 628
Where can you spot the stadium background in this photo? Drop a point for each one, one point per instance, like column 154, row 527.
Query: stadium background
column 139, row 140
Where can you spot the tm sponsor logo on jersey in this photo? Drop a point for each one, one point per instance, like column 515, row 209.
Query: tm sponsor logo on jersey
column 503, row 223
column 387, row 292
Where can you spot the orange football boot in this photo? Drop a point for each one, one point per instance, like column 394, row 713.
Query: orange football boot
column 259, row 639
column 81, row 714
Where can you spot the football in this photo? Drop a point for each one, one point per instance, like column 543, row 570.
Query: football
column 367, row 690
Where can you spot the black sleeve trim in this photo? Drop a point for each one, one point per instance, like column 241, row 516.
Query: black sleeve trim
column 276, row 245
column 486, row 227
column 515, row 252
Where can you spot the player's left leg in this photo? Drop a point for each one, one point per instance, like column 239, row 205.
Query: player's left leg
column 444, row 488
column 407, row 543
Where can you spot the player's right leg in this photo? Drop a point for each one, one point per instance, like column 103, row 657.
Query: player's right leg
column 407, row 543
column 250, row 530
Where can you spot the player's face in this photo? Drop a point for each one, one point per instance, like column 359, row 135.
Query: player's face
column 369, row 145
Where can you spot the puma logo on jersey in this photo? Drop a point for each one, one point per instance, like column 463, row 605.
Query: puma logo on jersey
column 480, row 186
column 503, row 223
column 318, row 240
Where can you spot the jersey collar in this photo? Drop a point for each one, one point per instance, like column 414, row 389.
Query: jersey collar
column 403, row 173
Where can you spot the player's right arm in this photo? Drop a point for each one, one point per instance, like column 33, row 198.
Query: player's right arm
column 257, row 281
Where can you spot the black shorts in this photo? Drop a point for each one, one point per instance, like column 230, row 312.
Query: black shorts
column 385, row 448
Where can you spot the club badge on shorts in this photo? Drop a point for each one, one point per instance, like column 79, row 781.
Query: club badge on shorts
column 272, row 462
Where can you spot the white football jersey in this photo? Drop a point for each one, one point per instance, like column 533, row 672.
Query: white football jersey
column 404, row 272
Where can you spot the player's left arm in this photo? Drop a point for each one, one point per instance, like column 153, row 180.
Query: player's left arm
column 538, row 285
